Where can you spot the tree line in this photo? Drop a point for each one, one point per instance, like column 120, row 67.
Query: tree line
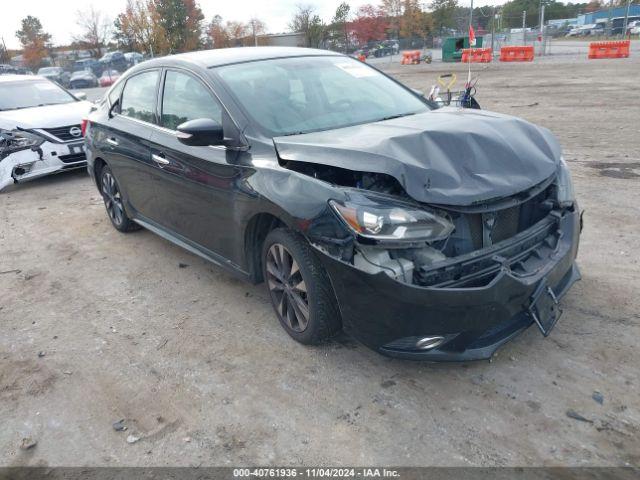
column 161, row 27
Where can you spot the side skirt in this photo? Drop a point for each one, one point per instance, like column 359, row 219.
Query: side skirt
column 192, row 247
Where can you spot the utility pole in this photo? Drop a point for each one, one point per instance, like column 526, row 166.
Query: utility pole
column 626, row 19
column 471, row 15
column 524, row 27
column 493, row 29
column 253, row 29
column 542, row 42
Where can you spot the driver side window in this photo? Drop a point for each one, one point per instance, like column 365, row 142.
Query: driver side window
column 185, row 98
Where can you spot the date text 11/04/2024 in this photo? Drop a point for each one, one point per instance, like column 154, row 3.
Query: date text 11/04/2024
column 316, row 472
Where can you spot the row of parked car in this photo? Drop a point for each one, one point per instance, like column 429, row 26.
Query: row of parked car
column 81, row 78
column 598, row 29
column 85, row 73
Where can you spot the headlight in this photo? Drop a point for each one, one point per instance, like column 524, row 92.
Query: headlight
column 17, row 140
column 566, row 194
column 380, row 219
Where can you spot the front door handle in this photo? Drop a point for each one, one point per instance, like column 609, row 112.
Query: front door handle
column 112, row 141
column 160, row 159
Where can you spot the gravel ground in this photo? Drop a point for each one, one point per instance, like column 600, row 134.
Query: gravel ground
column 133, row 328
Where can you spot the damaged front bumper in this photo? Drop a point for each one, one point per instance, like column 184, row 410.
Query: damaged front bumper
column 476, row 302
column 45, row 158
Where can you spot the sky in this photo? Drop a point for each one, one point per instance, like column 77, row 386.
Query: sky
column 58, row 16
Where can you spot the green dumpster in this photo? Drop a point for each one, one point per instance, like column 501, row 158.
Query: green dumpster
column 452, row 48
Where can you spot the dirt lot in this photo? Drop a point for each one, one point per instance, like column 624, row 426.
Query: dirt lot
column 132, row 327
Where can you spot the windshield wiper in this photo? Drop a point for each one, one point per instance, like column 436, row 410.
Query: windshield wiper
column 293, row 133
column 399, row 115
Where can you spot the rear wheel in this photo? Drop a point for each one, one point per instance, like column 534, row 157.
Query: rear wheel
column 299, row 287
column 113, row 202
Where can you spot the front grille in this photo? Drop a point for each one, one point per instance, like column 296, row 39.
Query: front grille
column 64, row 133
column 506, row 225
column 536, row 245
column 73, row 157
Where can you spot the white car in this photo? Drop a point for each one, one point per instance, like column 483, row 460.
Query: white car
column 40, row 128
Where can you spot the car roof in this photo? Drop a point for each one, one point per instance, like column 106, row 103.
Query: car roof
column 227, row 56
column 18, row 78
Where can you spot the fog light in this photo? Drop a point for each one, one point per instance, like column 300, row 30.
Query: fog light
column 427, row 343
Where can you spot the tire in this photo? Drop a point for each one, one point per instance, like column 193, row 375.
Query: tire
column 114, row 203
column 309, row 283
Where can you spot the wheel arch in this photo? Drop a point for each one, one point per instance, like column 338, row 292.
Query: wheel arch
column 98, row 165
column 255, row 233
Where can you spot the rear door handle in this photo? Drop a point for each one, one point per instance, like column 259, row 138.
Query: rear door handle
column 160, row 159
column 112, row 141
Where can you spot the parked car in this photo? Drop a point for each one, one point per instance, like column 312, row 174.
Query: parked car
column 56, row 74
column 634, row 27
column 39, row 128
column 109, row 77
column 419, row 230
column 114, row 61
column 83, row 79
column 10, row 69
column 88, row 64
column 133, row 58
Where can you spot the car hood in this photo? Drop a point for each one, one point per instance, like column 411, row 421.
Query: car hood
column 447, row 156
column 49, row 116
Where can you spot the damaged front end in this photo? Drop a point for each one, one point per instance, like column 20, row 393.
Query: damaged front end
column 440, row 282
column 27, row 154
column 19, row 150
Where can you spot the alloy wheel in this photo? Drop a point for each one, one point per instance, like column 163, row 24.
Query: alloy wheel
column 287, row 287
column 112, row 198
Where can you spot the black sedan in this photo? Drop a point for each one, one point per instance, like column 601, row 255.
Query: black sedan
column 424, row 232
column 83, row 79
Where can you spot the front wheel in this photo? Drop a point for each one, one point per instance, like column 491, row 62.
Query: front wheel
column 299, row 287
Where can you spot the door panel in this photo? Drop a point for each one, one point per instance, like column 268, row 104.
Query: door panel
column 126, row 145
column 126, row 139
column 195, row 192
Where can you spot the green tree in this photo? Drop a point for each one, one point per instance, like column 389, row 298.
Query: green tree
column 393, row 10
column 340, row 25
column 306, row 21
column 34, row 41
column 415, row 22
column 181, row 23
column 442, row 12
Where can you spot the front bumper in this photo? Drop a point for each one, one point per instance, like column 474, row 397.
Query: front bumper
column 389, row 316
column 48, row 159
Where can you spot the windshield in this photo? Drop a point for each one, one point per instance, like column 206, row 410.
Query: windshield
column 296, row 95
column 15, row 95
column 47, row 70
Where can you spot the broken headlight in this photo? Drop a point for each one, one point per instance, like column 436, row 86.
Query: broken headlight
column 17, row 140
column 380, row 219
column 564, row 185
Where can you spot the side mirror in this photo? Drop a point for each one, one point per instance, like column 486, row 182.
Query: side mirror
column 115, row 105
column 80, row 95
column 200, row 133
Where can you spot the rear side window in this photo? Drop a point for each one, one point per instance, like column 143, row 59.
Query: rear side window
column 186, row 98
column 139, row 96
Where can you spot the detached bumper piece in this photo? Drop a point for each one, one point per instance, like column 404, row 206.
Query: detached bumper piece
column 475, row 302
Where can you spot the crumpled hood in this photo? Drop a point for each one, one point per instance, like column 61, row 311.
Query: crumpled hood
column 49, row 116
column 448, row 156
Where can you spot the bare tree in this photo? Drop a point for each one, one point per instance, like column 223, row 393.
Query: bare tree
column 257, row 27
column 306, row 21
column 95, row 30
